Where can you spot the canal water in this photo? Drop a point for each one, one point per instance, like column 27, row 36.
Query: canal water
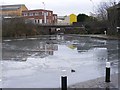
column 38, row 62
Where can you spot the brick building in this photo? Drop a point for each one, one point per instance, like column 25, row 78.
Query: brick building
column 40, row 16
column 12, row 10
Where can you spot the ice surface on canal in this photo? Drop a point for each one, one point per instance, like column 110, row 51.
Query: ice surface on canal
column 46, row 72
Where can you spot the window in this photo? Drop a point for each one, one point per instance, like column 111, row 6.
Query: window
column 35, row 21
column 38, row 21
column 42, row 21
column 30, row 14
column 46, row 13
column 55, row 17
column 24, row 14
column 36, row 14
column 33, row 14
column 50, row 13
column 42, row 13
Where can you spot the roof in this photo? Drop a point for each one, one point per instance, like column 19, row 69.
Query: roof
column 37, row 10
column 10, row 7
column 61, row 17
column 54, row 14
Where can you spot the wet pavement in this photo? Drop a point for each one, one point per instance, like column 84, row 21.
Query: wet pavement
column 99, row 83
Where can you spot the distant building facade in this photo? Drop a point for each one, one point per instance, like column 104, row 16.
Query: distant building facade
column 114, row 18
column 12, row 10
column 67, row 20
column 40, row 16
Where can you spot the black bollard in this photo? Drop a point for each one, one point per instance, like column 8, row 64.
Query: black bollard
column 64, row 80
column 107, row 77
column 64, row 83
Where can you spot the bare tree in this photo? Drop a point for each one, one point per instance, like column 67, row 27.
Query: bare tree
column 102, row 9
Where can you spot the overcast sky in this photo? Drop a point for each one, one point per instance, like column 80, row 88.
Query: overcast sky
column 60, row 7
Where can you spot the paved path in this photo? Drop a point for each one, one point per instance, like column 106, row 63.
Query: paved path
column 104, row 36
column 101, row 36
column 99, row 83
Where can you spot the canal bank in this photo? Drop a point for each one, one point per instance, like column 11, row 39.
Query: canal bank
column 99, row 83
column 104, row 37
column 99, row 36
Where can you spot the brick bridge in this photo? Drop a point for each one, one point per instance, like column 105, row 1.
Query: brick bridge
column 55, row 29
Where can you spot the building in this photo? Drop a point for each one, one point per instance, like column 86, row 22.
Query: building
column 72, row 18
column 12, row 10
column 114, row 19
column 60, row 20
column 67, row 20
column 55, row 18
column 40, row 16
column 35, row 16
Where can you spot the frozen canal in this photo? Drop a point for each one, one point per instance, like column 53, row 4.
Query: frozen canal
column 38, row 62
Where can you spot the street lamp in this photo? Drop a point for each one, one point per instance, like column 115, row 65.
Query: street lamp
column 44, row 13
column 44, row 5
